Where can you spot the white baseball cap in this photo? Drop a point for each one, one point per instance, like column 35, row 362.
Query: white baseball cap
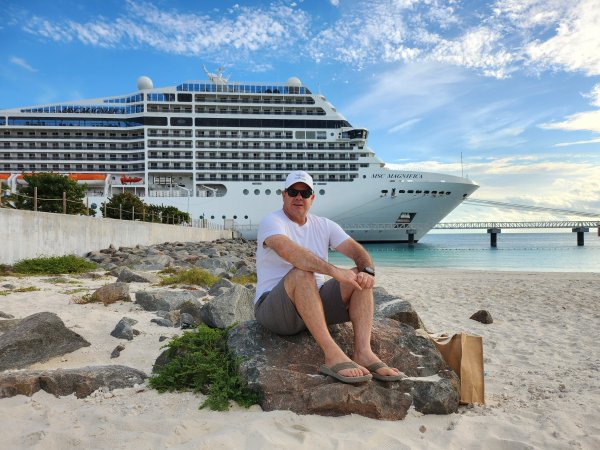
column 299, row 176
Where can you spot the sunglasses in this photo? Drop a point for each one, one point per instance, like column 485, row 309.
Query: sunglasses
column 306, row 193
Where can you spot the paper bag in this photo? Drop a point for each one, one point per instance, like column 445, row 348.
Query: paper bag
column 464, row 354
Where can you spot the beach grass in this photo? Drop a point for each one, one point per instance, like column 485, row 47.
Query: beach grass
column 54, row 265
column 245, row 279
column 200, row 361
column 194, row 276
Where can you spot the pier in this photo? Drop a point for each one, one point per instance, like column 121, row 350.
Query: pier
column 494, row 228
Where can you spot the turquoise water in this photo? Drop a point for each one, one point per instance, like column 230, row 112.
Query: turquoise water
column 540, row 252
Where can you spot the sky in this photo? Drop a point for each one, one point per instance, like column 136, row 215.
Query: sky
column 505, row 92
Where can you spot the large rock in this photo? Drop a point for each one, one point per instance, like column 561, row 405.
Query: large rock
column 124, row 329
column 283, row 370
column 37, row 338
column 112, row 293
column 82, row 382
column 233, row 305
column 392, row 307
column 127, row 275
column 167, row 300
column 156, row 262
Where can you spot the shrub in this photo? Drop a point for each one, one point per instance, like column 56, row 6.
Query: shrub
column 245, row 279
column 53, row 265
column 201, row 361
column 193, row 276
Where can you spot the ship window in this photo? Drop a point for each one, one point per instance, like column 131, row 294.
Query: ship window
column 256, row 191
column 268, row 192
column 434, row 192
column 245, row 217
column 426, row 192
column 322, row 192
column 245, row 191
column 278, row 191
column 448, row 193
column 223, row 216
column 212, row 217
column 235, row 217
column 410, row 191
column 401, row 191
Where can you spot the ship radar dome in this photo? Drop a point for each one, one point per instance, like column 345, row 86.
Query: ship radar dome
column 144, row 82
column 294, row 81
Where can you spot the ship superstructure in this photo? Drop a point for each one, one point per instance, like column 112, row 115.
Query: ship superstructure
column 221, row 151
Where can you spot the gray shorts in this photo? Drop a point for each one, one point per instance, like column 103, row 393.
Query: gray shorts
column 274, row 309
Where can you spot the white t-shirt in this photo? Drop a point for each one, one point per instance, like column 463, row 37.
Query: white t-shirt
column 318, row 234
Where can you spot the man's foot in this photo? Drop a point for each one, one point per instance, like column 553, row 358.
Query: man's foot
column 334, row 371
column 378, row 366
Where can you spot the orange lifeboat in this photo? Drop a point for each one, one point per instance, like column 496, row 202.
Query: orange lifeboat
column 126, row 180
column 91, row 179
column 4, row 176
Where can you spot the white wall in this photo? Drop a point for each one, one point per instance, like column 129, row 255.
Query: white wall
column 28, row 234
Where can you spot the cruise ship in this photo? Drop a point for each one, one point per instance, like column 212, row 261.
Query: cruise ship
column 221, row 151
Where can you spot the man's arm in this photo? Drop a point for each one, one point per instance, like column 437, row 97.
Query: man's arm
column 302, row 258
column 361, row 258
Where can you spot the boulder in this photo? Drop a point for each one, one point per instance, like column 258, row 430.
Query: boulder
column 283, row 370
column 112, row 293
column 166, row 300
column 392, row 307
column 37, row 338
column 82, row 382
column 129, row 276
column 123, row 329
column 155, row 262
column 482, row 316
column 218, row 287
column 193, row 310
column 162, row 322
column 4, row 315
column 234, row 305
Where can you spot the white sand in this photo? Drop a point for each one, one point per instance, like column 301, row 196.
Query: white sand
column 542, row 363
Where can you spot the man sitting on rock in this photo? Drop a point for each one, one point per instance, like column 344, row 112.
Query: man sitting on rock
column 292, row 295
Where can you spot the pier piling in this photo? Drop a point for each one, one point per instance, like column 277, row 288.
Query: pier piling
column 493, row 232
column 411, row 236
column 580, row 234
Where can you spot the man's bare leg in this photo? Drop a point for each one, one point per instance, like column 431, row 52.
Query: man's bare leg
column 360, row 307
column 302, row 290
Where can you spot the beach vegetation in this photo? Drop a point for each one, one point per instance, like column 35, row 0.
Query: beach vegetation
column 22, row 289
column 194, row 276
column 200, row 361
column 128, row 206
column 245, row 279
column 50, row 187
column 54, row 265
column 84, row 299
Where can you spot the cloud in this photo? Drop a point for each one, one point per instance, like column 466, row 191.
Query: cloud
column 22, row 63
column 576, row 44
column 583, row 121
column 568, row 181
column 241, row 31
column 405, row 125
column 335, row 2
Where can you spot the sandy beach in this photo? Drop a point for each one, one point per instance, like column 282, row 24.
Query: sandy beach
column 542, row 373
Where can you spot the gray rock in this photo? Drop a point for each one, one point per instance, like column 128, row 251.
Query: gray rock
column 112, row 293
column 156, row 262
column 194, row 310
column 482, row 316
column 162, row 322
column 218, row 287
column 82, row 382
column 284, row 373
column 8, row 286
column 117, row 351
column 124, row 329
column 129, row 276
column 37, row 338
column 166, row 300
column 393, row 307
column 233, row 306
column 4, row 315
column 186, row 321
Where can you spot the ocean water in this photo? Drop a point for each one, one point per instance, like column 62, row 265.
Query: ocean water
column 539, row 252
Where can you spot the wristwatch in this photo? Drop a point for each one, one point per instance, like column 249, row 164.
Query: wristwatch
column 369, row 270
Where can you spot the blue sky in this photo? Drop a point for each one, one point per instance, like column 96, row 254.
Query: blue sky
column 513, row 85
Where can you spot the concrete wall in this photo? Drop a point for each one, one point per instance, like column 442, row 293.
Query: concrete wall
column 28, row 234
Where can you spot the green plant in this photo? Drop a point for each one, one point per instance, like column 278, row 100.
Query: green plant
column 193, row 276
column 27, row 289
column 84, row 299
column 55, row 265
column 201, row 361
column 245, row 279
column 50, row 187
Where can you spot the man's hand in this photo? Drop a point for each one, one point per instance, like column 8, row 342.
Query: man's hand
column 365, row 280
